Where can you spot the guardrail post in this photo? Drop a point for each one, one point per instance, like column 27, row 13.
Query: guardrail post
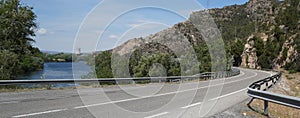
column 266, row 105
column 279, row 78
column 132, row 82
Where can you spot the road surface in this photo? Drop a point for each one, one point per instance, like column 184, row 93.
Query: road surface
column 191, row 99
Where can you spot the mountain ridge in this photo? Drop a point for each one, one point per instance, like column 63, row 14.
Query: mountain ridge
column 260, row 34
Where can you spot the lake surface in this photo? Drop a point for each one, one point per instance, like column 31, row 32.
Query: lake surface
column 60, row 70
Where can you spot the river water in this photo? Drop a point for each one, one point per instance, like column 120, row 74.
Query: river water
column 60, row 70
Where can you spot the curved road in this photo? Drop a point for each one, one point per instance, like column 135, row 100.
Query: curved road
column 160, row 100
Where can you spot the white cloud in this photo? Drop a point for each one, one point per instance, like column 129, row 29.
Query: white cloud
column 134, row 25
column 137, row 23
column 87, row 39
column 42, row 31
column 113, row 36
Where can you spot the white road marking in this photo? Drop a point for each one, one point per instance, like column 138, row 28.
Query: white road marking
column 191, row 105
column 175, row 92
column 195, row 104
column 10, row 102
column 156, row 115
column 38, row 113
column 228, row 94
column 112, row 102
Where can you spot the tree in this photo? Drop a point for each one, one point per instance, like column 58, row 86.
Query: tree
column 150, row 64
column 290, row 15
column 8, row 63
column 237, row 49
column 103, row 65
column 17, row 26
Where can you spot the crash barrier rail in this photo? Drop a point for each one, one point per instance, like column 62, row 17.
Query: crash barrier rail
column 206, row 76
column 258, row 90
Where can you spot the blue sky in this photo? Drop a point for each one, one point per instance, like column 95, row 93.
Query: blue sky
column 65, row 25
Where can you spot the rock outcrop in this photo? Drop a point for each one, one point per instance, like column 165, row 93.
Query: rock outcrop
column 249, row 57
column 256, row 18
column 287, row 54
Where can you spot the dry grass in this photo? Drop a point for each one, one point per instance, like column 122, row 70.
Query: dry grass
column 289, row 85
column 275, row 110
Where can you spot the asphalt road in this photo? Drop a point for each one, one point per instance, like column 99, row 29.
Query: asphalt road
column 191, row 99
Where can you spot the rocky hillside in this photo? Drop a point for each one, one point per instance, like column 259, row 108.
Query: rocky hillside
column 275, row 43
column 266, row 28
column 258, row 34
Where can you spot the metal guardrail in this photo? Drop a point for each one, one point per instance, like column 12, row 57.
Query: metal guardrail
column 206, row 76
column 258, row 90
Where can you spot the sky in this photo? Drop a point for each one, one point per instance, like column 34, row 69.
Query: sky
column 93, row 25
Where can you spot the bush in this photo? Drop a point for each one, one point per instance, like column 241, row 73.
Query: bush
column 8, row 64
column 29, row 64
column 103, row 65
column 17, row 56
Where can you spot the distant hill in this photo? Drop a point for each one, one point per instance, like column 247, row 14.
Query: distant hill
column 260, row 34
column 50, row 52
column 54, row 52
